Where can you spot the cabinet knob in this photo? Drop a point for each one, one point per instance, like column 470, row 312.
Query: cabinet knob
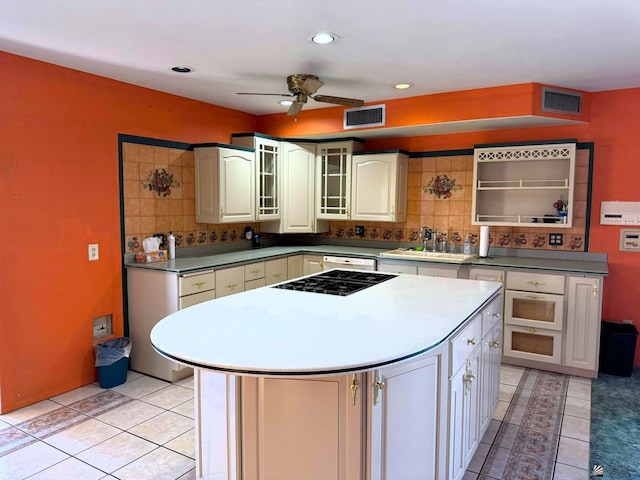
column 496, row 314
column 532, row 330
column 495, row 344
column 471, row 341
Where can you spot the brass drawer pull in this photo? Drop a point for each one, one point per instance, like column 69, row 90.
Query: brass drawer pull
column 354, row 389
column 378, row 385
column 535, row 282
column 255, row 271
column 198, row 284
column 232, row 285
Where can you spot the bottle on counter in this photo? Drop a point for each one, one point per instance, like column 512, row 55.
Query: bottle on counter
column 172, row 246
column 466, row 249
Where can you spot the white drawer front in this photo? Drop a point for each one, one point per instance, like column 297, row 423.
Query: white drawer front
column 491, row 315
column 195, row 283
column 438, row 272
column 535, row 282
column 537, row 310
column 196, row 298
column 463, row 344
column 532, row 344
column 253, row 271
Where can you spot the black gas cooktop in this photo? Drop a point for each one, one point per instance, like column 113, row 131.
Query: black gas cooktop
column 336, row 282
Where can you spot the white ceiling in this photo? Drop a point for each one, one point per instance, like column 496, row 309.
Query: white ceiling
column 252, row 45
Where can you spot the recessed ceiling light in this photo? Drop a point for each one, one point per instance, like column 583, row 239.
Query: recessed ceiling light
column 324, row 38
column 286, row 102
column 403, row 86
column 182, row 69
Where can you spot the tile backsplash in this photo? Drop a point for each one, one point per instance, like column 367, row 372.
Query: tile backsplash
column 159, row 196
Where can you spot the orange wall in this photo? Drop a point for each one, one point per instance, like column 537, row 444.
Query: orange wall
column 59, row 170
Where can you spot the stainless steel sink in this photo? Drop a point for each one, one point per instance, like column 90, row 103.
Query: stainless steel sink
column 427, row 256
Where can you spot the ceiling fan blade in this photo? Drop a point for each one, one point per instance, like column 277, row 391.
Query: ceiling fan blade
column 295, row 108
column 311, row 85
column 348, row 102
column 272, row 94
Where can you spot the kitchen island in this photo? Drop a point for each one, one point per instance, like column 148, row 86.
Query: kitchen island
column 393, row 381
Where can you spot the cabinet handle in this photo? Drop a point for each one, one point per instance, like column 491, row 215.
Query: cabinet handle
column 497, row 315
column 495, row 344
column 378, row 385
column 535, row 282
column 354, row 389
column 468, row 377
column 535, row 297
column 198, row 284
column 221, row 212
column 254, row 271
column 500, row 279
column 471, row 341
column 276, row 275
column 594, row 290
column 232, row 285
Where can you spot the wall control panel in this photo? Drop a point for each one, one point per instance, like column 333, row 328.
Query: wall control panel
column 620, row 213
column 630, row 240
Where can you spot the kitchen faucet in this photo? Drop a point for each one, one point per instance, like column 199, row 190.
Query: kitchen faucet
column 429, row 234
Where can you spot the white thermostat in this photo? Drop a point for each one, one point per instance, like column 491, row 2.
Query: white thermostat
column 629, row 240
column 620, row 213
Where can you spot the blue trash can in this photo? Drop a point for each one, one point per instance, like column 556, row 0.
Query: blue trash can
column 112, row 361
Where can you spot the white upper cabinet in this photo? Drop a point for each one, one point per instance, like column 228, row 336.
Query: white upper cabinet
column 268, row 174
column 225, row 184
column 379, row 186
column 333, row 179
column 527, row 185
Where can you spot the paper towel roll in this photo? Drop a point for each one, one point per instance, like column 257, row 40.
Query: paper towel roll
column 484, row 241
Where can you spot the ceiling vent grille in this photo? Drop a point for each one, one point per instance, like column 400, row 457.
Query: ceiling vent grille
column 561, row 101
column 372, row 116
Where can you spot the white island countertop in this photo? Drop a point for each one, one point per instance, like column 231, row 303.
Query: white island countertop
column 277, row 332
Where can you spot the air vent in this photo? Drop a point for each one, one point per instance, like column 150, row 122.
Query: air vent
column 372, row 116
column 560, row 101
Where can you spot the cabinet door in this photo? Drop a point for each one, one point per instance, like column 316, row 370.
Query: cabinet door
column 533, row 344
column 275, row 271
column 584, row 298
column 312, row 264
column 229, row 281
column 464, row 421
column 404, row 426
column 268, row 189
column 225, row 185
column 295, row 266
column 378, row 187
column 302, row 428
column 333, row 180
column 490, row 375
column 298, row 188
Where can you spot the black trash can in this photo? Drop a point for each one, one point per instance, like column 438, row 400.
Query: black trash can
column 112, row 361
column 617, row 348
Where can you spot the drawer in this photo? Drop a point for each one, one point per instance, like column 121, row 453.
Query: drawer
column 229, row 281
column 491, row 315
column 253, row 271
column 535, row 344
column 535, row 282
column 196, row 298
column 444, row 272
column 464, row 342
column 253, row 284
column 195, row 283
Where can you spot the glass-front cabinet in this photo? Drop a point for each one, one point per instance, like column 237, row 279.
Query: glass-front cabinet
column 268, row 172
column 333, row 179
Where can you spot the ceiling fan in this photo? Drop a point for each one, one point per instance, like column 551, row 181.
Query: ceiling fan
column 303, row 86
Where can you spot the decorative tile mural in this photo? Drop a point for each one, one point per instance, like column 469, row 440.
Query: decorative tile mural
column 159, row 196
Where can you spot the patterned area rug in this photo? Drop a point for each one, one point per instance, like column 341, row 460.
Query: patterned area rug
column 615, row 425
column 526, row 444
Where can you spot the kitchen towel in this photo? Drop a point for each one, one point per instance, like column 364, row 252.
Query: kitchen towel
column 484, row 241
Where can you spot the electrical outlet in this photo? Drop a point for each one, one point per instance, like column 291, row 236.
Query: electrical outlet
column 102, row 326
column 360, row 230
column 627, row 321
column 556, row 239
column 94, row 252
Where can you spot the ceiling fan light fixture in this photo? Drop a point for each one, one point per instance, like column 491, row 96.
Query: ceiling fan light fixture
column 285, row 102
column 182, row 69
column 402, row 86
column 325, row 38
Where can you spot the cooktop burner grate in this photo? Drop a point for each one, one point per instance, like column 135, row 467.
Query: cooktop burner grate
column 336, row 282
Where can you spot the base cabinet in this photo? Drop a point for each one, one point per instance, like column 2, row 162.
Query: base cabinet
column 583, row 322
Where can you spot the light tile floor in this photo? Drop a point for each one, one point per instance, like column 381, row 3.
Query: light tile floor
column 144, row 429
